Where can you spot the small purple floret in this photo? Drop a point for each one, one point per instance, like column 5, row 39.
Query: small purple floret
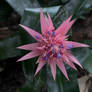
column 52, row 45
column 48, row 32
column 53, row 33
column 69, row 46
column 46, row 58
column 37, row 37
column 59, row 55
column 61, row 46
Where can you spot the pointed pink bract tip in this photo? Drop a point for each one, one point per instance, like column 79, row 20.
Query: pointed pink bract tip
column 20, row 25
column 87, row 46
column 54, row 78
column 68, row 79
column 81, row 66
column 18, row 60
column 18, row 48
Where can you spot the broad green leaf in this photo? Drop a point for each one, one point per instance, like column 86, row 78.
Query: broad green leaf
column 88, row 62
column 84, row 55
column 32, row 83
column 45, row 3
column 20, row 5
column 8, row 47
column 77, row 8
column 44, row 79
column 72, row 84
column 34, row 13
column 64, row 12
column 89, row 42
column 49, row 3
column 79, row 53
column 61, row 84
column 84, row 6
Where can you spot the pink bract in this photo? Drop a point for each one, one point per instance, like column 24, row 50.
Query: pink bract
column 52, row 46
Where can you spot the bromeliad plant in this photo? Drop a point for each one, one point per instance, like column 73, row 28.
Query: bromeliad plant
column 52, row 45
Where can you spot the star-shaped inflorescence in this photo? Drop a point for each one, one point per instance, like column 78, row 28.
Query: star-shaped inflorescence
column 52, row 46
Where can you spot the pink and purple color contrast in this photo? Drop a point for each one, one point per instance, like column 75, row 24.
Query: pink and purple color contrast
column 52, row 46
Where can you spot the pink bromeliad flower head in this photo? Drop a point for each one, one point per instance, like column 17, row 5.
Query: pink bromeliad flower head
column 52, row 46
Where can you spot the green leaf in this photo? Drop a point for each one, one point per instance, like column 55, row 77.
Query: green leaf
column 79, row 53
column 84, row 55
column 32, row 83
column 61, row 84
column 44, row 80
column 49, row 3
column 45, row 3
column 89, row 42
column 64, row 12
column 72, row 84
column 35, row 15
column 77, row 8
column 8, row 47
column 20, row 5
column 83, row 7
column 88, row 63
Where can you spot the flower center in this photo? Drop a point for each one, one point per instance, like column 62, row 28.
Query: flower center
column 50, row 47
